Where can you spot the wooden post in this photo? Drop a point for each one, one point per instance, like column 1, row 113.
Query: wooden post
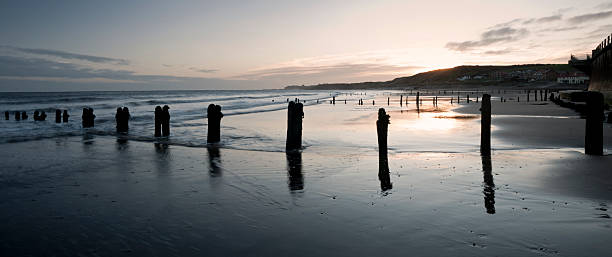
column 528, row 92
column 401, row 100
column 468, row 98
column 382, row 125
column 477, row 98
column 334, row 100
column 417, row 99
column 295, row 114
column 458, row 99
column 58, row 116
column 24, row 116
column 344, row 101
column 6, row 115
column 165, row 121
column 388, row 101
column 485, row 125
column 158, row 120
column 214, row 116
column 593, row 138
column 535, row 95
column 17, row 115
column 372, row 102
column 65, row 116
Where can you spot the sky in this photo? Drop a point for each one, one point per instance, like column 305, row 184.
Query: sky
column 153, row 45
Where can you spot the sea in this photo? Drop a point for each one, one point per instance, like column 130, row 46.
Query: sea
column 187, row 109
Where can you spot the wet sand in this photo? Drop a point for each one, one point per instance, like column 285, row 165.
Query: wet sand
column 104, row 196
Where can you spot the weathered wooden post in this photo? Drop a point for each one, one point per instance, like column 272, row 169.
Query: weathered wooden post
column 417, row 99
column 6, row 115
column 593, row 137
column 58, row 116
column 158, row 120
column 295, row 114
column 65, row 116
column 24, row 116
column 382, row 125
column 17, row 115
column 401, row 100
column 528, row 92
column 214, row 123
column 388, row 101
column 165, row 121
column 333, row 100
column 372, row 101
column 485, row 125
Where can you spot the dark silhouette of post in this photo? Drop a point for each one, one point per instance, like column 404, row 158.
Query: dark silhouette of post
column 122, row 119
column 528, row 92
column 6, row 115
column 388, row 100
column 158, row 121
column 214, row 123
column 417, row 99
column 17, row 115
column 165, row 121
column 58, row 116
column 43, row 116
column 535, row 95
column 593, row 138
column 65, row 116
column 333, row 100
column 485, row 125
column 489, row 186
column 382, row 125
column 24, row 115
column 88, row 117
column 401, row 100
column 295, row 114
column 468, row 99
column 36, row 116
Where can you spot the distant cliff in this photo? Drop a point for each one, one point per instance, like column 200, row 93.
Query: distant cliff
column 460, row 75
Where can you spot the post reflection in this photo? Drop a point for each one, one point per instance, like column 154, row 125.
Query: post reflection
column 214, row 161
column 383, row 172
column 294, row 168
column 488, row 186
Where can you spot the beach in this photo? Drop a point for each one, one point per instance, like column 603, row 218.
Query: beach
column 94, row 192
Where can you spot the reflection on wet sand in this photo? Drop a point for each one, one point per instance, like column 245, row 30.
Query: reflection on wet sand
column 383, row 172
column 294, row 167
column 214, row 161
column 488, row 186
column 162, row 159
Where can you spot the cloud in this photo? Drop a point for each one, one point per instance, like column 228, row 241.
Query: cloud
column 590, row 17
column 203, row 70
column 499, row 52
column 490, row 37
column 506, row 24
column 604, row 6
column 334, row 71
column 546, row 19
column 69, row 56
